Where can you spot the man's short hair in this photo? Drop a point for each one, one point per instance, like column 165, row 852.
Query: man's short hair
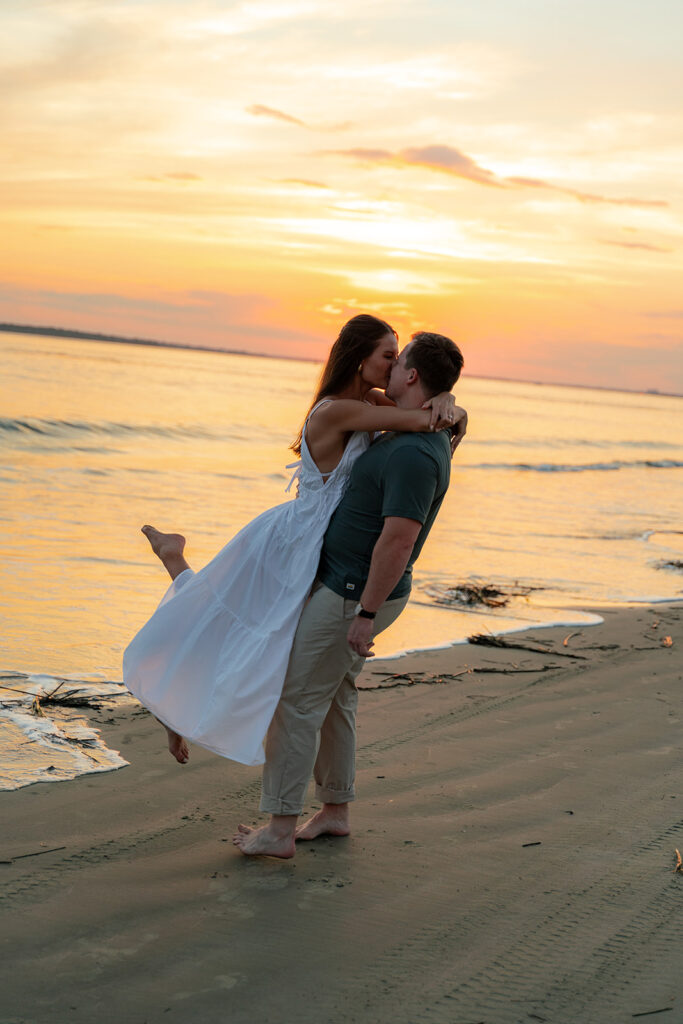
column 437, row 359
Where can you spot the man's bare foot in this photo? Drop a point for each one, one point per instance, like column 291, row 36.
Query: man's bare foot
column 168, row 547
column 264, row 842
column 178, row 746
column 331, row 820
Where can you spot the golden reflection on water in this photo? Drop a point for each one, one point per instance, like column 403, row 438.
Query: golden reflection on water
column 197, row 442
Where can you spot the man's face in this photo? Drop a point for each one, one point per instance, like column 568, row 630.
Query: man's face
column 399, row 375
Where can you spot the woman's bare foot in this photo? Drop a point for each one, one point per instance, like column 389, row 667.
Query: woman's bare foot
column 164, row 544
column 266, row 841
column 168, row 547
column 331, row 820
column 178, row 746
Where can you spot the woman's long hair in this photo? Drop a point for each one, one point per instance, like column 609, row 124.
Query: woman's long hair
column 357, row 340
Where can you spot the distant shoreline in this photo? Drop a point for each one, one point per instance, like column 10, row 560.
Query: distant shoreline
column 63, row 332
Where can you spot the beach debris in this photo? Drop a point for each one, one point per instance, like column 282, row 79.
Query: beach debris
column 410, row 679
column 678, row 869
column 37, row 853
column 489, row 640
column 471, row 594
column 514, row 671
column 565, row 642
column 54, row 731
column 673, row 565
column 651, row 1013
column 538, row 843
column 667, row 641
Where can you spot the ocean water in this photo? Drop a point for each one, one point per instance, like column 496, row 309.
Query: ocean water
column 564, row 498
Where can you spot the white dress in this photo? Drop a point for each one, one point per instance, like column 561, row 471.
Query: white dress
column 211, row 661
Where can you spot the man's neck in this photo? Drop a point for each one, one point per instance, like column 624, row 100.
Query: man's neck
column 412, row 398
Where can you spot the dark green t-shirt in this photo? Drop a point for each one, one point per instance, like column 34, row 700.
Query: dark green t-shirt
column 404, row 475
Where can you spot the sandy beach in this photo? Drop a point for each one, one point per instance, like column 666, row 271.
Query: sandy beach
column 511, row 859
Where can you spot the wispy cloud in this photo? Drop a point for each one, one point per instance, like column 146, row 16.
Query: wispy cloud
column 452, row 161
column 172, row 176
column 646, row 246
column 586, row 197
column 258, row 110
column 183, row 176
column 225, row 320
column 307, row 182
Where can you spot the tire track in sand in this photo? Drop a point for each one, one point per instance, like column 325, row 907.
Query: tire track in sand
column 577, row 962
column 41, row 878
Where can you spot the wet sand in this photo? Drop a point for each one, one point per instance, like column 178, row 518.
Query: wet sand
column 511, row 860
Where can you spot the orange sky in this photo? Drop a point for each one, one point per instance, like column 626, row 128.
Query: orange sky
column 248, row 175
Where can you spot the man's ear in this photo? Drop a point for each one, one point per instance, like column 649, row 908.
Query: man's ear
column 412, row 377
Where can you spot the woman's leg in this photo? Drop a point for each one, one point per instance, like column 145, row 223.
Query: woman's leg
column 169, row 548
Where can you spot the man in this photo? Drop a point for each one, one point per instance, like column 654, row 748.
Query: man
column 375, row 535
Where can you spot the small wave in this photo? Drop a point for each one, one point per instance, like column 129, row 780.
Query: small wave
column 33, row 428
column 567, row 442
column 43, row 738
column 587, row 467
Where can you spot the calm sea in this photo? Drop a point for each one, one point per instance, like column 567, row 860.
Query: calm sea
column 572, row 496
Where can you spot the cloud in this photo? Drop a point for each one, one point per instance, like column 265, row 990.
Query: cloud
column 452, row 161
column 226, row 302
column 172, row 176
column 303, row 181
column 664, row 314
column 223, row 319
column 258, row 110
column 183, row 176
column 373, row 155
column 635, row 367
column 647, row 246
column 585, row 197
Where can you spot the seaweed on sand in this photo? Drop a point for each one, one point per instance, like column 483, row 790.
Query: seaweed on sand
column 489, row 594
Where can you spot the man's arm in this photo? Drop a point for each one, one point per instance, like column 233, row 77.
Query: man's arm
column 389, row 560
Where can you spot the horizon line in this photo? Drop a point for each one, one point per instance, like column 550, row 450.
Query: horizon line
column 78, row 335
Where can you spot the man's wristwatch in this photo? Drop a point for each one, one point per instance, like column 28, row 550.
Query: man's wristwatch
column 360, row 610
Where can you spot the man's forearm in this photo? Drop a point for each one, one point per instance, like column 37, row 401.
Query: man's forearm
column 389, row 560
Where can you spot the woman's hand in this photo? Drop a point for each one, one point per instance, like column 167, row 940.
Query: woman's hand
column 459, row 428
column 443, row 410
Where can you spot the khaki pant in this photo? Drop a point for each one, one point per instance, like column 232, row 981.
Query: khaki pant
column 314, row 725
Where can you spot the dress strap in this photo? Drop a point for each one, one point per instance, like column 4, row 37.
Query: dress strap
column 296, row 466
column 323, row 401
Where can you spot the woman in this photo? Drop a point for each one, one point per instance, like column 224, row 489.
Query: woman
column 211, row 661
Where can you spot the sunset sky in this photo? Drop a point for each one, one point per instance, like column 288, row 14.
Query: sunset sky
column 248, row 175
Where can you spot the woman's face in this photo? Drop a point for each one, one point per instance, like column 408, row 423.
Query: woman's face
column 377, row 367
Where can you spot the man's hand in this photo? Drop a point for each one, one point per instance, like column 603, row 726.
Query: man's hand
column 360, row 636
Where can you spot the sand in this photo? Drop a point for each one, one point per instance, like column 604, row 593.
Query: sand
column 511, row 860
